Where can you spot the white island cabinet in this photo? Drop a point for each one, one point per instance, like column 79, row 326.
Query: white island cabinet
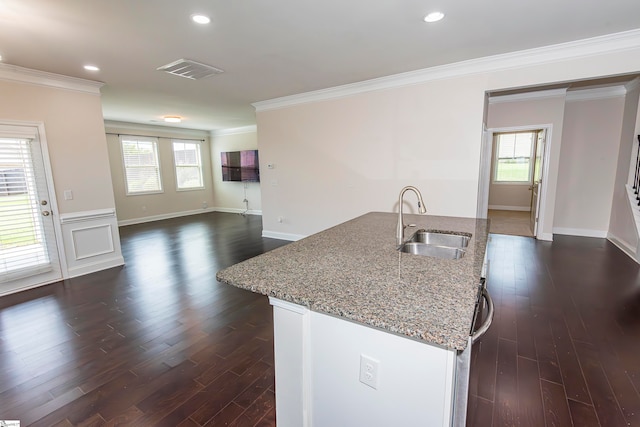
column 318, row 369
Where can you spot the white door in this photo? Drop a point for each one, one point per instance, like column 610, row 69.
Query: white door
column 537, row 180
column 28, row 250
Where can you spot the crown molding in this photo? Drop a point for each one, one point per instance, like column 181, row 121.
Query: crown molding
column 114, row 126
column 609, row 43
column 13, row 73
column 234, row 131
column 632, row 85
column 596, row 93
column 528, row 96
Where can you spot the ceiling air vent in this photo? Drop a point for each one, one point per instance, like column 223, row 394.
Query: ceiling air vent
column 189, row 69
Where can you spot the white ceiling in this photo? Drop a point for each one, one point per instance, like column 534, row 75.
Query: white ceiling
column 275, row 48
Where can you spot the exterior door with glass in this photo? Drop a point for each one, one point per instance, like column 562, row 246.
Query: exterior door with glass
column 29, row 253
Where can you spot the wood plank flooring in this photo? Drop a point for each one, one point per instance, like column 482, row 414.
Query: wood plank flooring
column 564, row 348
column 161, row 343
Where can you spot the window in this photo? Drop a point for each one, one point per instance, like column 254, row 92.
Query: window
column 141, row 165
column 188, row 162
column 513, row 157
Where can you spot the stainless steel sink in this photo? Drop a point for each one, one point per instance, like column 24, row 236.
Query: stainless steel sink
column 444, row 252
column 436, row 244
column 440, row 239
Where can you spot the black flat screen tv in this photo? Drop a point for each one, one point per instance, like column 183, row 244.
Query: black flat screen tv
column 240, row 166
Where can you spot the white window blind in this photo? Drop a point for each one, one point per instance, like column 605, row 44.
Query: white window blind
column 141, row 164
column 187, row 159
column 23, row 233
column 513, row 157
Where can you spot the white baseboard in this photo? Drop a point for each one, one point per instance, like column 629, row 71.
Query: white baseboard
column 510, row 208
column 624, row 246
column 239, row 211
column 580, row 232
column 160, row 217
column 548, row 237
column 282, row 236
column 96, row 266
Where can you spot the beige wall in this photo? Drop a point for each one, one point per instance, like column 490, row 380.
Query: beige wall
column 341, row 157
column 229, row 196
column 588, row 163
column 74, row 130
column 622, row 227
column 535, row 113
column 169, row 203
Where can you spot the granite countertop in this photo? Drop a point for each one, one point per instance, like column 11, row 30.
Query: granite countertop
column 354, row 271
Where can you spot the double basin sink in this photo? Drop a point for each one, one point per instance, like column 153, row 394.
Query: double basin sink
column 436, row 244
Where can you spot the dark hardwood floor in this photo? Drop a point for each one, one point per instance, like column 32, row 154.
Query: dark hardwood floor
column 160, row 342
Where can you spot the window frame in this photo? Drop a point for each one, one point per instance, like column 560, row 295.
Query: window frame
column 494, row 177
column 156, row 150
column 200, row 165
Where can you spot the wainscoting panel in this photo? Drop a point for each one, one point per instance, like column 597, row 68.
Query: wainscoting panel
column 91, row 241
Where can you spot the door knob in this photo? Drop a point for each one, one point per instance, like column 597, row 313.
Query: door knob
column 46, row 213
column 43, row 203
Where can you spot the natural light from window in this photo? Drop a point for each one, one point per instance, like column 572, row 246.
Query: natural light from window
column 141, row 165
column 513, row 157
column 188, row 163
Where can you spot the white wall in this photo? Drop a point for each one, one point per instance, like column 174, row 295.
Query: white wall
column 588, row 162
column 71, row 112
column 342, row 153
column 622, row 228
column 170, row 203
column 229, row 196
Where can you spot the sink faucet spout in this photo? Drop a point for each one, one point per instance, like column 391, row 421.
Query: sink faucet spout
column 421, row 210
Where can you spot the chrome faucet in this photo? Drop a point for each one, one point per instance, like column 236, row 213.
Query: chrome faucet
column 421, row 210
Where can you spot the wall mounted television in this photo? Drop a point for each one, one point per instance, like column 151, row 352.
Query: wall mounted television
column 240, row 166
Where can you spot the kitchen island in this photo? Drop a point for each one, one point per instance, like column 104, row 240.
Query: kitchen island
column 365, row 334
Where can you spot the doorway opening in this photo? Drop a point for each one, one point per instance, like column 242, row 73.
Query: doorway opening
column 514, row 179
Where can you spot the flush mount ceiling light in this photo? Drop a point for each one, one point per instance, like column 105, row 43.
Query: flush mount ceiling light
column 91, row 68
column 200, row 19
column 172, row 119
column 434, row 17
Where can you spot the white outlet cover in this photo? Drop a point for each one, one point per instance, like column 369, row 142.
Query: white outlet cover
column 369, row 370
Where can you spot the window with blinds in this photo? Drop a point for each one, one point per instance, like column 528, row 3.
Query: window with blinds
column 141, row 165
column 187, row 159
column 514, row 153
column 24, row 234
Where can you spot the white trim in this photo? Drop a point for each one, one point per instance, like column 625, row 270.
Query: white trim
column 13, row 73
column 624, row 246
column 234, row 131
column 239, row 211
column 87, row 215
column 110, row 247
column 160, row 217
column 561, row 52
column 510, row 208
column 94, row 267
column 282, row 236
column 545, row 236
column 114, row 126
column 528, row 96
column 581, row 232
column 632, row 85
column 296, row 308
column 596, row 93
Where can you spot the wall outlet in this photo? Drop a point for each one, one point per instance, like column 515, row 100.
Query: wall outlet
column 144, row 208
column 369, row 369
column 205, row 205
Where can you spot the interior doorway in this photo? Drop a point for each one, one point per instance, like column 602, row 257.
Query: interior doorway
column 29, row 253
column 512, row 175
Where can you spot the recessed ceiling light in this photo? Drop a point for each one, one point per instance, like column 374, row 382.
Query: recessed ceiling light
column 200, row 19
column 434, row 17
column 172, row 119
column 91, row 68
